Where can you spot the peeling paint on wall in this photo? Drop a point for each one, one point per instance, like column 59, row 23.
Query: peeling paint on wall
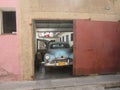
column 7, row 76
column 3, row 72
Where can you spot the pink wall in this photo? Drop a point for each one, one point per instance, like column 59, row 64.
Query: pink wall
column 9, row 51
column 8, row 3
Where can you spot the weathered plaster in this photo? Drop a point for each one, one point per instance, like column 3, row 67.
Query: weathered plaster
column 100, row 10
column 7, row 76
column 9, row 55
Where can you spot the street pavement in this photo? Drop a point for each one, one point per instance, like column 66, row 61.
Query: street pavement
column 101, row 82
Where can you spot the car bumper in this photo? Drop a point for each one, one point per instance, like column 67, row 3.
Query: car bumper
column 60, row 63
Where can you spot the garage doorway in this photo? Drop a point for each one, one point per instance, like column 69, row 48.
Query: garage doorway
column 53, row 32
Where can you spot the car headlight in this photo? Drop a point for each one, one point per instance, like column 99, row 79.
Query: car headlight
column 47, row 57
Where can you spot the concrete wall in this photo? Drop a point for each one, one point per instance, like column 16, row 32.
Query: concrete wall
column 99, row 10
column 9, row 50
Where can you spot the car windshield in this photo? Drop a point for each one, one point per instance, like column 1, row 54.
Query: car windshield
column 59, row 45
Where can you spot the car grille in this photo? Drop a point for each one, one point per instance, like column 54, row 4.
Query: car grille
column 61, row 60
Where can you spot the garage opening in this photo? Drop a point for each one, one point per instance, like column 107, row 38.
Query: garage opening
column 53, row 49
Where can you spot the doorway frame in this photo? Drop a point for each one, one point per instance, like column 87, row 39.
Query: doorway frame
column 34, row 35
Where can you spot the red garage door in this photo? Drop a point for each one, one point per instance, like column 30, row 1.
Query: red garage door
column 96, row 47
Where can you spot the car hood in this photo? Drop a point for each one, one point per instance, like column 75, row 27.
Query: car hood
column 58, row 53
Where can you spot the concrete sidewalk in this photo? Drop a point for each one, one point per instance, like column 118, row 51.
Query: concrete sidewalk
column 77, row 83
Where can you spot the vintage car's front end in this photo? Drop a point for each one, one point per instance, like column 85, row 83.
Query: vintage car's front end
column 60, row 56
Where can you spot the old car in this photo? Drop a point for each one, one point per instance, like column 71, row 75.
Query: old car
column 58, row 54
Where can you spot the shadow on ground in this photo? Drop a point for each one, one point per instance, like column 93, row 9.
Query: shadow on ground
column 53, row 73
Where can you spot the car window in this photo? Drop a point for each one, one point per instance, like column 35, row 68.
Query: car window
column 59, row 45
